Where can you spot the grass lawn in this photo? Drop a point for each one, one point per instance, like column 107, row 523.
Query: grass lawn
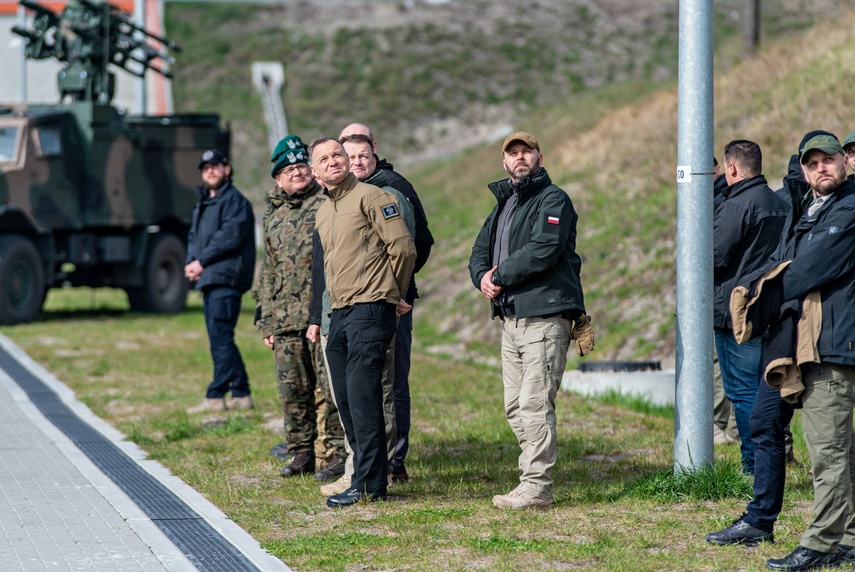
column 617, row 506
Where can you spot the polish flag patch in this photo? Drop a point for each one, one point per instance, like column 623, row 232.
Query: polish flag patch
column 552, row 220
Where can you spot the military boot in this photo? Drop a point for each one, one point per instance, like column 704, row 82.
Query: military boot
column 303, row 462
column 334, row 469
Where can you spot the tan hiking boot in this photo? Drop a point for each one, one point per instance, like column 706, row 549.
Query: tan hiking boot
column 244, row 402
column 209, row 404
column 337, row 487
column 519, row 499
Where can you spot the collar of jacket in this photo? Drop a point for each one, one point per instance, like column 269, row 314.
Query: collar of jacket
column 503, row 189
column 845, row 188
column 378, row 179
column 276, row 196
column 383, row 164
column 338, row 192
column 741, row 186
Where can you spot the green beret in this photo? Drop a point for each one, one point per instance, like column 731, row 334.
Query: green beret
column 289, row 151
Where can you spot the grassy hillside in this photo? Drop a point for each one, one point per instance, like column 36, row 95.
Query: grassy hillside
column 431, row 79
column 594, row 81
column 617, row 166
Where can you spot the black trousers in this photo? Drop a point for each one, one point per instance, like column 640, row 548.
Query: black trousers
column 356, row 351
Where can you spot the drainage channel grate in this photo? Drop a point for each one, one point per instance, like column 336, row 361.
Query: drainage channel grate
column 197, row 539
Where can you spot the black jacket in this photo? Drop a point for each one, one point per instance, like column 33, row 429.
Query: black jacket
column 821, row 250
column 222, row 239
column 423, row 238
column 542, row 269
column 746, row 230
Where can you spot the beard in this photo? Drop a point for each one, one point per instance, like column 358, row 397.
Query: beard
column 828, row 186
column 522, row 170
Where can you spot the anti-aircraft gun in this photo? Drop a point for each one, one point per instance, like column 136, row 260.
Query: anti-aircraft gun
column 89, row 195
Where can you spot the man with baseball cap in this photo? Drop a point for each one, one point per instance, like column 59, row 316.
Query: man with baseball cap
column 284, row 292
column 220, row 261
column 525, row 262
column 820, row 277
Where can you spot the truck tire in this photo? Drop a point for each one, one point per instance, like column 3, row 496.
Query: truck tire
column 22, row 280
column 164, row 288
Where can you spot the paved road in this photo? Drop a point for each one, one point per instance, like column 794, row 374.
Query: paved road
column 74, row 495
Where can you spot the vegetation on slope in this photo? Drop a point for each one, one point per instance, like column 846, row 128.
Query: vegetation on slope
column 451, row 72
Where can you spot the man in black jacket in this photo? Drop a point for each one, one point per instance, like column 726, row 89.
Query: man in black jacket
column 819, row 247
column 525, row 262
column 747, row 226
column 404, row 335
column 221, row 261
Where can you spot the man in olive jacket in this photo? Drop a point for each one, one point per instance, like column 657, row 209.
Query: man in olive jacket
column 368, row 261
column 525, row 262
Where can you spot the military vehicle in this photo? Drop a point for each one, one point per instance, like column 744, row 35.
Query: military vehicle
column 89, row 195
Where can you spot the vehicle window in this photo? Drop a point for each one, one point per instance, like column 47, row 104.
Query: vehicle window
column 8, row 143
column 49, row 141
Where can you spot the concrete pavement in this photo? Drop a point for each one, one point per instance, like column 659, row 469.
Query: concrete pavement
column 74, row 495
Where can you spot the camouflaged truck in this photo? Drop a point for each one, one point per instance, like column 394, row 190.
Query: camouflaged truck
column 90, row 196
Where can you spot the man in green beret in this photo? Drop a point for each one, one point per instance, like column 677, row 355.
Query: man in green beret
column 284, row 292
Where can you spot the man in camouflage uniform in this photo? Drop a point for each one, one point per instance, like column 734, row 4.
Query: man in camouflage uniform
column 284, row 293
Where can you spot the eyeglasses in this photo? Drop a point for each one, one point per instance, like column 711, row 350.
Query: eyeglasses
column 292, row 170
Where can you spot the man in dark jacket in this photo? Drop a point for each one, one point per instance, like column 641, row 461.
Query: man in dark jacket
column 404, row 334
column 746, row 229
column 820, row 246
column 221, row 261
column 525, row 262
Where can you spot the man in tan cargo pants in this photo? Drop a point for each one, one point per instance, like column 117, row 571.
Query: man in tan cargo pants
column 524, row 261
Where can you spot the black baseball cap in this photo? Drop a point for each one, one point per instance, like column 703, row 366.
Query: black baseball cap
column 213, row 157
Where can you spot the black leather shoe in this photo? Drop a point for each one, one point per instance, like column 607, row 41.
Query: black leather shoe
column 333, row 470
column 303, row 462
column 847, row 554
column 398, row 472
column 351, row 497
column 740, row 532
column 804, row 559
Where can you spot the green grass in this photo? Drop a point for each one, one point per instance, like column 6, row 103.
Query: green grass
column 618, row 504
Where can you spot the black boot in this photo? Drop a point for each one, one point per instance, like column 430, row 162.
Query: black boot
column 303, row 462
column 333, row 470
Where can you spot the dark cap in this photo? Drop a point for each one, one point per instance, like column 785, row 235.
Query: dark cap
column 522, row 136
column 850, row 139
column 819, row 141
column 213, row 157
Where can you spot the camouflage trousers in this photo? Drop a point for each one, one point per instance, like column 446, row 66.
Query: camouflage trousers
column 300, row 371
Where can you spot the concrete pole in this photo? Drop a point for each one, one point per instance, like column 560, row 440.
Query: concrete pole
column 693, row 444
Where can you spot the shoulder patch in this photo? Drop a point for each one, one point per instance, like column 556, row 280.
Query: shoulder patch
column 390, row 211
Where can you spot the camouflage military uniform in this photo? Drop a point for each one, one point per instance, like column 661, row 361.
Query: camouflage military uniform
column 284, row 292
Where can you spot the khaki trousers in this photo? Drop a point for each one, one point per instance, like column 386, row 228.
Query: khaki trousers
column 534, row 353
column 827, row 422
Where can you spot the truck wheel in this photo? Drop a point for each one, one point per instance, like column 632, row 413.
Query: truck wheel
column 22, row 280
column 165, row 288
